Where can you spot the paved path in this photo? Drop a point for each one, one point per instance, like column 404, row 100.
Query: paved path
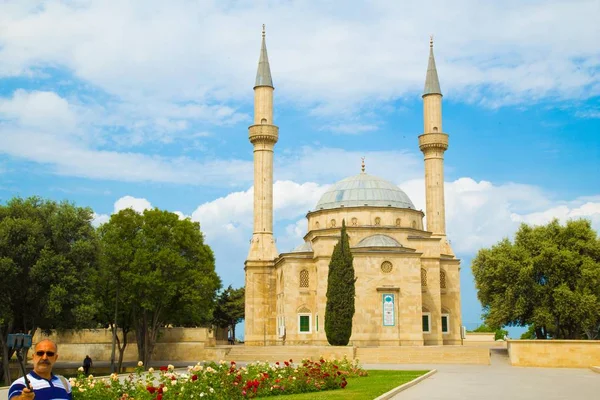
column 500, row 381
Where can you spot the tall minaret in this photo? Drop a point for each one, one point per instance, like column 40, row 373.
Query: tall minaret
column 433, row 143
column 260, row 304
column 263, row 136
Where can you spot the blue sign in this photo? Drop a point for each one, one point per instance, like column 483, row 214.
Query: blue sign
column 388, row 309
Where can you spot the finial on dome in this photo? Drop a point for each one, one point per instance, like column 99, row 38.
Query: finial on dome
column 362, row 166
column 263, row 32
column 430, row 39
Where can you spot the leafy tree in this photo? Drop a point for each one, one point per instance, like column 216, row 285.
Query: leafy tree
column 339, row 309
column 549, row 278
column 229, row 310
column 499, row 332
column 48, row 256
column 165, row 273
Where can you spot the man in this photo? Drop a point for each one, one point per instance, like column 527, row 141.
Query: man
column 87, row 363
column 44, row 385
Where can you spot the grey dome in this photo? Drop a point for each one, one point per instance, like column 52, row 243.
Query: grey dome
column 364, row 190
column 378, row 241
column 304, row 247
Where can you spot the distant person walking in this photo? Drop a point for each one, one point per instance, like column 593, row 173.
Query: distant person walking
column 87, row 363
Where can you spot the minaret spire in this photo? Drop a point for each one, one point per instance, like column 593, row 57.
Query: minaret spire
column 433, row 143
column 432, row 83
column 260, row 306
column 263, row 75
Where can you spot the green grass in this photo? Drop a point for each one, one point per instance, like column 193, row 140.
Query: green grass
column 368, row 387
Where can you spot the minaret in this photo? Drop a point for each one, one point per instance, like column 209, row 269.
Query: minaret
column 433, row 143
column 260, row 300
column 263, row 136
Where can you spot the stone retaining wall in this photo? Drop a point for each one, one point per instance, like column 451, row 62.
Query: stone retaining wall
column 172, row 344
column 554, row 353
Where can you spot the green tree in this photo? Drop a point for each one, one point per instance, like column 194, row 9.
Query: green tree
column 165, row 274
column 339, row 309
column 48, row 257
column 229, row 310
column 549, row 278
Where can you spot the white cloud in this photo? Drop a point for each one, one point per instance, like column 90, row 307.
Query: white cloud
column 135, row 203
column 40, row 110
column 497, row 53
column 99, row 219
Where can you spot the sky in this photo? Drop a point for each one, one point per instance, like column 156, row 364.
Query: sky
column 145, row 103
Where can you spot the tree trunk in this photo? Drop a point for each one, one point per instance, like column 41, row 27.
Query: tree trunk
column 121, row 348
column 5, row 360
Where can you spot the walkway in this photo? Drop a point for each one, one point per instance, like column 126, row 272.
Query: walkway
column 500, row 381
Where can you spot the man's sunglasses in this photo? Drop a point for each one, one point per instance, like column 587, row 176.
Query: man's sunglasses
column 40, row 353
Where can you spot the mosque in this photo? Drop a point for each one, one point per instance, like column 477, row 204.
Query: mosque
column 408, row 286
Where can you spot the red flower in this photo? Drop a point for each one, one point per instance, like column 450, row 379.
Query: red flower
column 163, row 368
column 151, row 389
column 194, row 377
column 159, row 397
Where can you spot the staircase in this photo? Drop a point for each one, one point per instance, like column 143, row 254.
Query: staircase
column 285, row 353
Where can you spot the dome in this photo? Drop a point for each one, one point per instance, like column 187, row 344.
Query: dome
column 304, row 247
column 378, row 241
column 364, row 190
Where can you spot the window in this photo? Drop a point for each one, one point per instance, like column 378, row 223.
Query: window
column 317, row 224
column 317, row 318
column 445, row 323
column 426, row 324
column 304, row 278
column 354, row 222
column 423, row 277
column 442, row 279
column 304, row 323
column 333, row 223
column 377, row 221
column 398, row 221
column 414, row 225
column 386, row 267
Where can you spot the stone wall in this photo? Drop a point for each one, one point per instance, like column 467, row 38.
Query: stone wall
column 423, row 355
column 554, row 353
column 172, row 344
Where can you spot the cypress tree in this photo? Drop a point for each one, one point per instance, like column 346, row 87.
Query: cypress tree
column 340, row 293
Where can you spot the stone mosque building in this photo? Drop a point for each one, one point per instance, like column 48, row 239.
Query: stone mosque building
column 408, row 287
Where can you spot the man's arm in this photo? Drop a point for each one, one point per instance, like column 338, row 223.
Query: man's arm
column 18, row 391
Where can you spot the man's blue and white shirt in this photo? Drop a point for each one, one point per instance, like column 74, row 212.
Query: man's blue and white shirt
column 44, row 389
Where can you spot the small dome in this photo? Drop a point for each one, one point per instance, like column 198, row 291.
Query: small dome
column 378, row 241
column 304, row 247
column 364, row 190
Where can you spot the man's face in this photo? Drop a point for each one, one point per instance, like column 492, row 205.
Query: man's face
column 44, row 357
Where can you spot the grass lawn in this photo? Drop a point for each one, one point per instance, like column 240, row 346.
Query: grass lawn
column 368, row 387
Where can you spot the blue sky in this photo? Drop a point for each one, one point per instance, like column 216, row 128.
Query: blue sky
column 114, row 104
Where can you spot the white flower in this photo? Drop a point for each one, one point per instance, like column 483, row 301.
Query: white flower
column 91, row 377
column 170, row 367
column 80, row 369
column 174, row 382
column 202, row 394
column 165, row 389
column 140, row 363
column 151, row 370
column 211, row 390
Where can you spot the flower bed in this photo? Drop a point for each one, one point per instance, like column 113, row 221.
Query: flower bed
column 219, row 381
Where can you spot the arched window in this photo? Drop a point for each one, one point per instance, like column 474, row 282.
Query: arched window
column 377, row 221
column 423, row 277
column 317, row 225
column 398, row 221
column 263, row 121
column 354, row 222
column 426, row 320
column 333, row 223
column 442, row 279
column 304, row 278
